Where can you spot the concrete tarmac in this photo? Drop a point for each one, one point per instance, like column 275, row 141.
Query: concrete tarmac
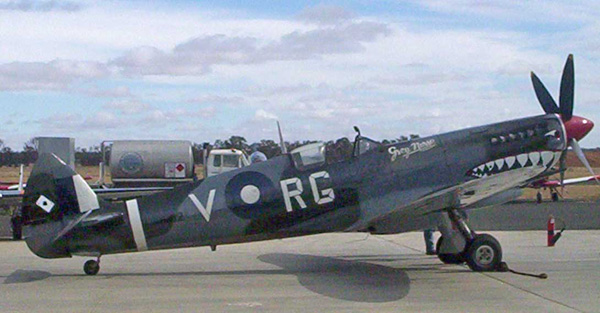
column 322, row 273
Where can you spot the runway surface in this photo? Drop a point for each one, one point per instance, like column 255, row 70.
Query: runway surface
column 323, row 273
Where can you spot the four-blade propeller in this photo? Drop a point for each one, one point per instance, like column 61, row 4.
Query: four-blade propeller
column 575, row 126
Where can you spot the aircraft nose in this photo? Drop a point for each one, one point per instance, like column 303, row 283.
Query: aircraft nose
column 577, row 127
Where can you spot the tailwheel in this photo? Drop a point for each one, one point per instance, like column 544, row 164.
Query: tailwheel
column 448, row 258
column 91, row 267
column 483, row 253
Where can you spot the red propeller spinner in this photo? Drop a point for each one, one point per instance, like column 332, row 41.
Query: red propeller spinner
column 578, row 127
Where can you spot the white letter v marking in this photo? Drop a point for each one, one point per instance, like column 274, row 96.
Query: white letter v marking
column 204, row 211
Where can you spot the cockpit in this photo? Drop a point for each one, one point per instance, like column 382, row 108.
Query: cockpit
column 316, row 154
column 309, row 156
column 364, row 144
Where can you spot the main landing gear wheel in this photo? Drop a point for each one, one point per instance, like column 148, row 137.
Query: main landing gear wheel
column 91, row 267
column 554, row 196
column 448, row 258
column 538, row 197
column 483, row 254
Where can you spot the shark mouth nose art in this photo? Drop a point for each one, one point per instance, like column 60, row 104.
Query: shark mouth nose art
column 545, row 159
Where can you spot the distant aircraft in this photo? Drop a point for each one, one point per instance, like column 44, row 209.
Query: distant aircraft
column 13, row 189
column 8, row 185
column 379, row 189
column 553, row 185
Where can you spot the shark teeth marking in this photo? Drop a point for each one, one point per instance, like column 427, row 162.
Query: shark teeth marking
column 547, row 157
column 500, row 163
column 510, row 161
column 543, row 159
column 522, row 158
column 534, row 157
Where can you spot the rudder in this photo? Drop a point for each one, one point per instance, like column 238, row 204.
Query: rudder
column 54, row 200
column 54, row 190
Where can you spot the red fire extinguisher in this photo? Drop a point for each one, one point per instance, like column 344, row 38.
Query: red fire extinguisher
column 551, row 240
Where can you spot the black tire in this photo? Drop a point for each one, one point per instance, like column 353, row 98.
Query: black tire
column 17, row 229
column 555, row 196
column 538, row 197
column 17, row 234
column 483, row 254
column 91, row 267
column 16, row 223
column 447, row 258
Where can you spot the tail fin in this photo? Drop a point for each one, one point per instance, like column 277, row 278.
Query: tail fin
column 54, row 191
column 54, row 200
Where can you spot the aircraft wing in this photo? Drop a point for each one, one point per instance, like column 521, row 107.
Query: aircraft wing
column 10, row 193
column 109, row 193
column 479, row 193
column 566, row 182
column 579, row 180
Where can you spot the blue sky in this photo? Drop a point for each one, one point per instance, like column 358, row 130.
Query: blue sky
column 200, row 71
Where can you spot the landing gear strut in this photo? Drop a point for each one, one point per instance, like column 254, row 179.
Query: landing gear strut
column 92, row 267
column 447, row 258
column 481, row 252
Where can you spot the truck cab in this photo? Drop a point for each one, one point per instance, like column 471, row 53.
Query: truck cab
column 225, row 160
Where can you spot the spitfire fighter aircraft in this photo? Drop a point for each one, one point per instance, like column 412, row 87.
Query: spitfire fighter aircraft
column 379, row 189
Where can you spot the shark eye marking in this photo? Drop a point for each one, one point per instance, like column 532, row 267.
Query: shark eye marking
column 552, row 133
column 539, row 158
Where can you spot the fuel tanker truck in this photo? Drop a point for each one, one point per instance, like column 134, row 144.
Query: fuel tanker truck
column 140, row 163
column 163, row 163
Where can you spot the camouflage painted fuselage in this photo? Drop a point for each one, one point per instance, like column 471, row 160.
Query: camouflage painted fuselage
column 385, row 189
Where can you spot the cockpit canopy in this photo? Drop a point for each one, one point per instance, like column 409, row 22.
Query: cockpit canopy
column 316, row 154
column 364, row 144
column 309, row 156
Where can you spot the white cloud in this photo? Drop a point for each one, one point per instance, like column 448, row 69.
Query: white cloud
column 117, row 92
column 325, row 14
column 167, row 117
column 216, row 99
column 103, row 120
column 319, row 72
column 39, row 6
column 129, row 107
column 264, row 115
column 197, row 56
column 57, row 74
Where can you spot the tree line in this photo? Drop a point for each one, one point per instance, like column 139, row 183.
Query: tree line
column 92, row 156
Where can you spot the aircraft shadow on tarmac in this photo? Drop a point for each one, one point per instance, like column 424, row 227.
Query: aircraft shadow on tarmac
column 23, row 276
column 344, row 279
column 350, row 280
